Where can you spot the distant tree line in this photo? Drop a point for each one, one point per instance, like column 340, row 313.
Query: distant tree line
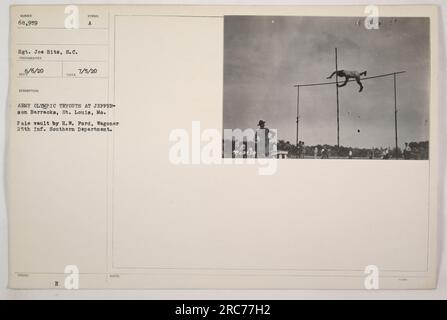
column 415, row 150
column 418, row 150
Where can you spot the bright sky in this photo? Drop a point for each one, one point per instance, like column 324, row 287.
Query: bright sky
column 265, row 56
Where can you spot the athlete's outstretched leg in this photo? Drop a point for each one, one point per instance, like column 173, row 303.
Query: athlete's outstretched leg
column 344, row 83
column 360, row 84
column 333, row 73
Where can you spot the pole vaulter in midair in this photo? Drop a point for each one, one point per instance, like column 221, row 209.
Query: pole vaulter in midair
column 349, row 76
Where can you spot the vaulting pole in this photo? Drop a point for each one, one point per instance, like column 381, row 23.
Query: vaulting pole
column 338, row 107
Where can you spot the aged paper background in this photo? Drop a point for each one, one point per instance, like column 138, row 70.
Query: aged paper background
column 122, row 208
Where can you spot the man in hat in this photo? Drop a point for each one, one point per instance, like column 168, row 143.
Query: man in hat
column 261, row 124
column 262, row 140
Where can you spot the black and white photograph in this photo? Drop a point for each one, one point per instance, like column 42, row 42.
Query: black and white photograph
column 330, row 87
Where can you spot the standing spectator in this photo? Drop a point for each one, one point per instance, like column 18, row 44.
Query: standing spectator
column 303, row 149
column 262, row 140
column 407, row 151
column 251, row 153
column 350, row 154
column 315, row 152
column 299, row 149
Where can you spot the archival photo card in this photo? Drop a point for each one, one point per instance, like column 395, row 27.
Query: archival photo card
column 154, row 147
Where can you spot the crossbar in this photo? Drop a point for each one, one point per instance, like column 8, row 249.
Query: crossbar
column 333, row 82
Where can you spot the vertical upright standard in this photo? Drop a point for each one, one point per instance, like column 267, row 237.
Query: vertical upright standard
column 395, row 114
column 338, row 107
column 297, row 112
